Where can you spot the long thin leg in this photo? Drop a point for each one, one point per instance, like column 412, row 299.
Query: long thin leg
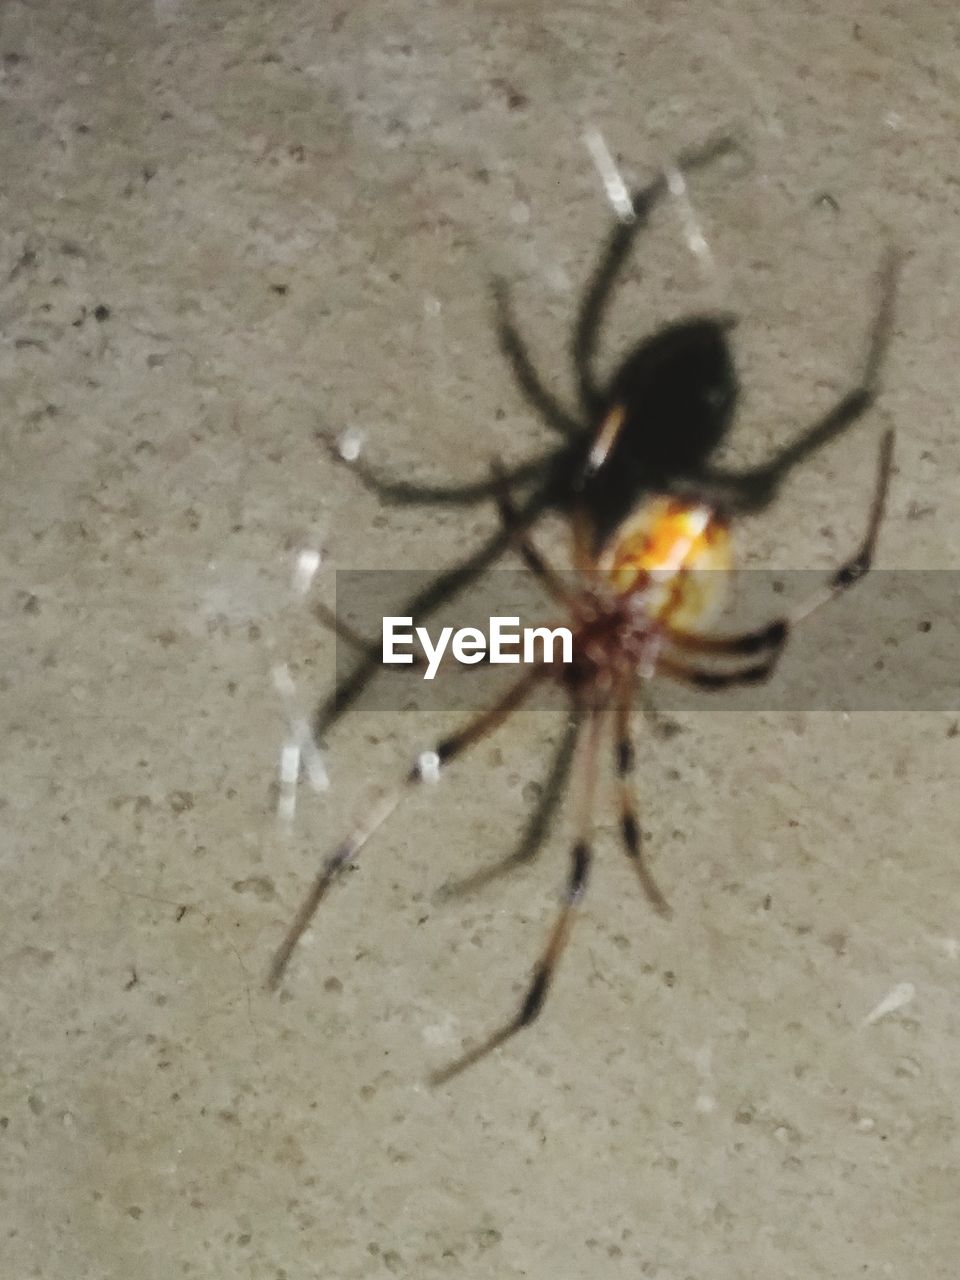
column 629, row 826
column 409, row 493
column 774, row 635
column 528, row 379
column 343, row 631
column 756, row 489
column 436, row 593
column 425, row 768
column 599, row 291
column 535, row 561
column 538, row 825
column 859, row 564
column 580, row 859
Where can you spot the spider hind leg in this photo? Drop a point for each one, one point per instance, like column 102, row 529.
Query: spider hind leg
column 580, row 861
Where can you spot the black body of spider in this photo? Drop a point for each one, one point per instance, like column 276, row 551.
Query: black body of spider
column 665, row 409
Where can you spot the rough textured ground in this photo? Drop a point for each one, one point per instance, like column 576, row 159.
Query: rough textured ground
column 287, row 216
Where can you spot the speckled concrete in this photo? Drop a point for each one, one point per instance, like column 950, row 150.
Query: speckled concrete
column 223, row 222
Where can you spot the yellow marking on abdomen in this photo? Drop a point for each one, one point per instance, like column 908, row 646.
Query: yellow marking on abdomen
column 676, row 554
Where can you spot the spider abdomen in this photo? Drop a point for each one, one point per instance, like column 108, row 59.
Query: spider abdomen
column 670, row 560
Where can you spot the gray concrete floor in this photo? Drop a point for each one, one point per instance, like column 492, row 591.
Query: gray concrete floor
column 291, row 213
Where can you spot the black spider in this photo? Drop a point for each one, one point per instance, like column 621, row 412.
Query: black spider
column 646, row 507
column 651, row 427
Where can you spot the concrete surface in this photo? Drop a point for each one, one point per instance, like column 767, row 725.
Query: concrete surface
column 290, row 214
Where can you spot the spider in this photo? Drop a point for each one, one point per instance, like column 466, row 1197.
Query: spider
column 652, row 427
column 648, row 514
column 635, row 613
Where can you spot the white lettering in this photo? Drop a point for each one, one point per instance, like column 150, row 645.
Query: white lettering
column 391, row 638
column 507, row 642
column 498, row 638
column 434, row 652
column 469, row 645
column 549, row 639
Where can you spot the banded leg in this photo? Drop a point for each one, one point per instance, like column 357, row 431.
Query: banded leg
column 629, row 826
column 423, row 769
column 704, row 678
column 773, row 637
column 538, row 824
column 580, row 859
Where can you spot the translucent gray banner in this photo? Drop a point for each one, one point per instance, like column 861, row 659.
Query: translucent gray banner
column 888, row 644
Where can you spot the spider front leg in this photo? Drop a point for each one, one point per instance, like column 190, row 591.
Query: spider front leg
column 528, row 379
column 600, row 288
column 772, row 638
column 407, row 493
column 580, row 860
column 754, row 490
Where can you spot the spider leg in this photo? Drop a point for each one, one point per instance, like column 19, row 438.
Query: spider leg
column 629, row 826
column 408, row 493
column 538, row 824
column 659, row 724
column 528, row 379
column 703, row 678
column 600, row 288
column 436, row 593
column 343, row 631
column 754, row 490
column 860, row 563
column 537, row 563
column 774, row 635
column 424, row 769
column 744, row 645
column 580, row 859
